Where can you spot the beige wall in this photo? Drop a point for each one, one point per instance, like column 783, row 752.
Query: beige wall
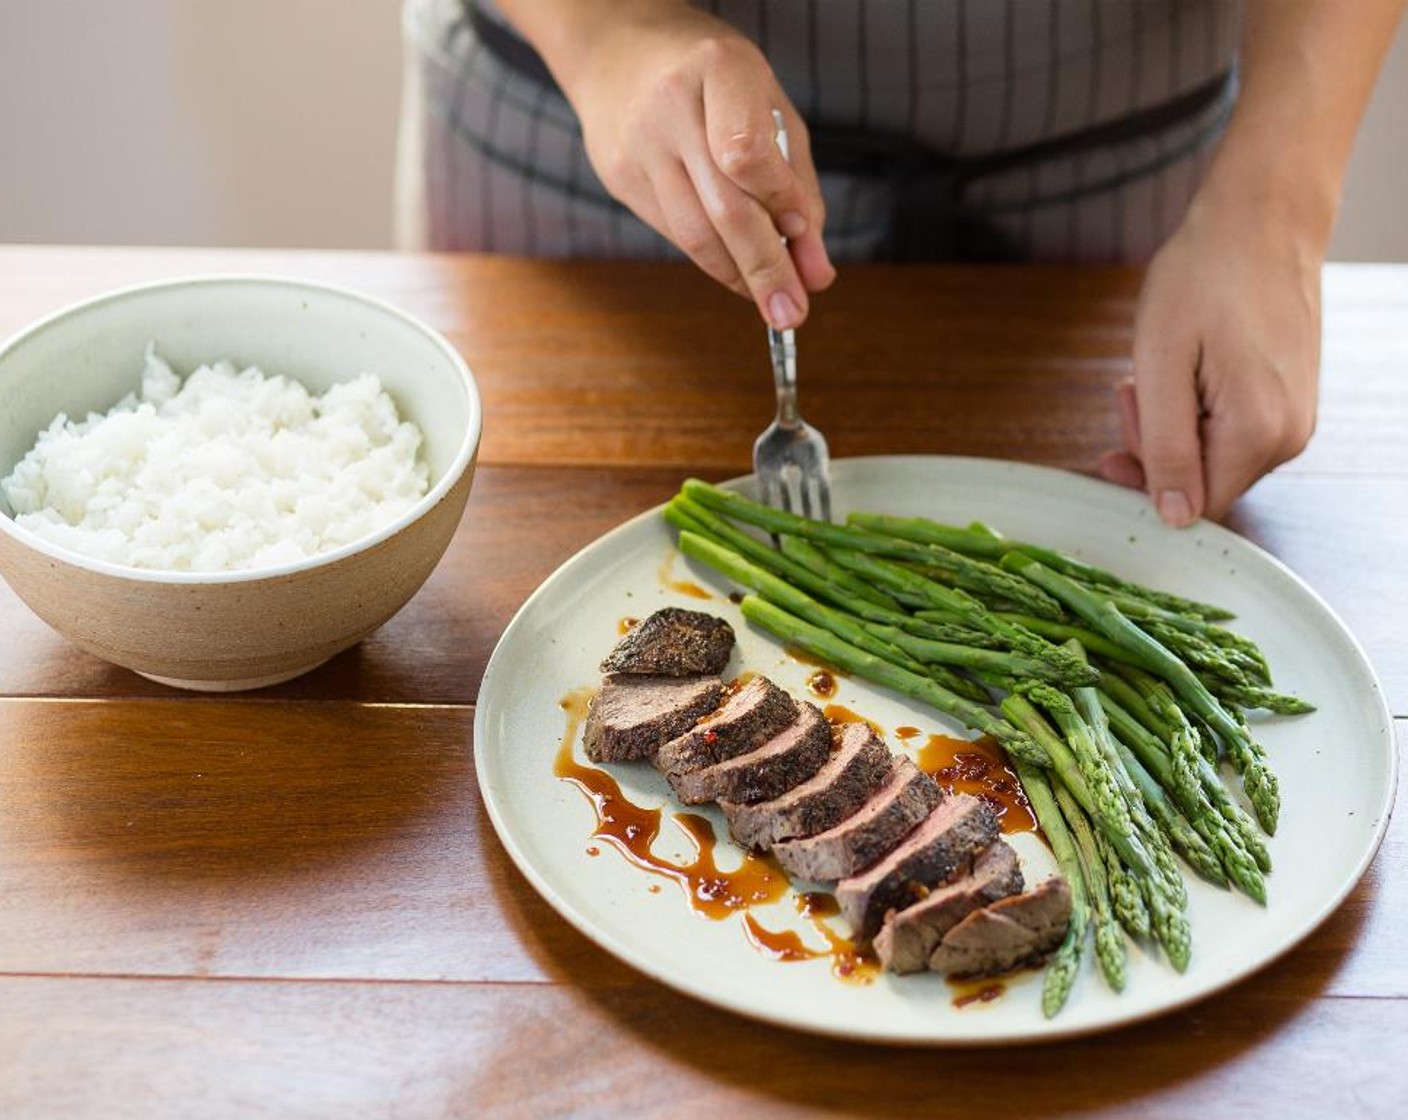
column 272, row 122
column 220, row 122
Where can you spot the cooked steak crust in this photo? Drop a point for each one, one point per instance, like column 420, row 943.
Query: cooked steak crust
column 943, row 845
column 1006, row 934
column 909, row 937
column 906, row 798
column 674, row 643
column 857, row 767
column 633, row 714
column 787, row 759
column 747, row 719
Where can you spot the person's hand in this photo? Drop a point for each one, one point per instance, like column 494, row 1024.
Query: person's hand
column 1226, row 361
column 676, row 111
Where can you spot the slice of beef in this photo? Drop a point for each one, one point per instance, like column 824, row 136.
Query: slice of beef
column 632, row 714
column 909, row 937
column 1015, row 931
column 673, row 643
column 906, row 798
column 943, row 845
column 787, row 759
column 747, row 719
column 857, row 767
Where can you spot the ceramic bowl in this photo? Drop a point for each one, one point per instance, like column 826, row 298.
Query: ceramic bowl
column 225, row 631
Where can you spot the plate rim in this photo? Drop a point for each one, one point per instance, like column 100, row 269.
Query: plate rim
column 1048, row 1030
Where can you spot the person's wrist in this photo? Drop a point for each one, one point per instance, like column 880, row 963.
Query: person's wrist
column 579, row 45
column 1277, row 195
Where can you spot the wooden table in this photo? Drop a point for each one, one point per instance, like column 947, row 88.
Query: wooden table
column 292, row 903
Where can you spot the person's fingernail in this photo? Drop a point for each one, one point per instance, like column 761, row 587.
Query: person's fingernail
column 792, row 224
column 783, row 311
column 1174, row 508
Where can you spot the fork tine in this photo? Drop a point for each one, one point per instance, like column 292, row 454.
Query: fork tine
column 767, row 492
column 805, row 486
column 824, row 490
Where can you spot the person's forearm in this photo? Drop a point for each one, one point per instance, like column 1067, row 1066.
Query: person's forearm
column 564, row 31
column 1307, row 69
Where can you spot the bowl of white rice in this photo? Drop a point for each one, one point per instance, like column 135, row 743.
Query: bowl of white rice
column 222, row 482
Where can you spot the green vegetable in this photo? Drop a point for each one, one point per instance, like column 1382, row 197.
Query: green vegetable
column 1247, row 755
column 1064, row 964
column 963, row 571
column 862, row 663
column 1109, row 938
column 985, row 629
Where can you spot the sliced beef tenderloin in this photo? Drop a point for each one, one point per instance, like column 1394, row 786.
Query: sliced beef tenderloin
column 1012, row 932
column 944, row 844
column 633, row 714
column 857, row 767
column 910, row 936
column 906, row 798
column 673, row 643
column 745, row 721
column 787, row 759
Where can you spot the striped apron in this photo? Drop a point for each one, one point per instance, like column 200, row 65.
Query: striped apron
column 1045, row 130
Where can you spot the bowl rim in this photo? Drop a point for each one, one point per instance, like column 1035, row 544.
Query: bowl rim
column 464, row 454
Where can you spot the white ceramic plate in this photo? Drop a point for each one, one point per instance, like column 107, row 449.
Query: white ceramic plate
column 1337, row 766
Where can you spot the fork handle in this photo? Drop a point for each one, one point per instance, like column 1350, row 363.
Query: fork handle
column 782, row 345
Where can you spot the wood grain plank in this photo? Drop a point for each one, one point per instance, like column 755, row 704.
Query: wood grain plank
column 210, row 838
column 319, row 840
column 159, row 1049
column 993, row 361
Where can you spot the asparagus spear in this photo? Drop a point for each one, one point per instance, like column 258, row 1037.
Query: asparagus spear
column 1189, row 764
column 970, row 541
column 965, row 572
column 1125, row 895
column 1212, row 813
column 1061, row 970
column 1247, row 755
column 1094, row 643
column 1163, row 887
column 704, row 527
column 812, row 558
column 979, row 540
column 947, row 653
column 782, row 593
column 1246, row 696
column 862, row 663
column 1155, row 839
column 857, row 596
column 1188, row 841
column 1170, row 925
column 1139, row 607
column 1112, row 806
column 1109, row 939
column 949, row 632
column 1205, row 658
column 896, row 577
column 1024, row 715
column 1164, row 827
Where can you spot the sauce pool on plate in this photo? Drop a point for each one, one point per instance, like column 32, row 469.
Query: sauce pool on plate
column 710, row 891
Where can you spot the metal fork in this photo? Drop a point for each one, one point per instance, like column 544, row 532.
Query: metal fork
column 790, row 457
